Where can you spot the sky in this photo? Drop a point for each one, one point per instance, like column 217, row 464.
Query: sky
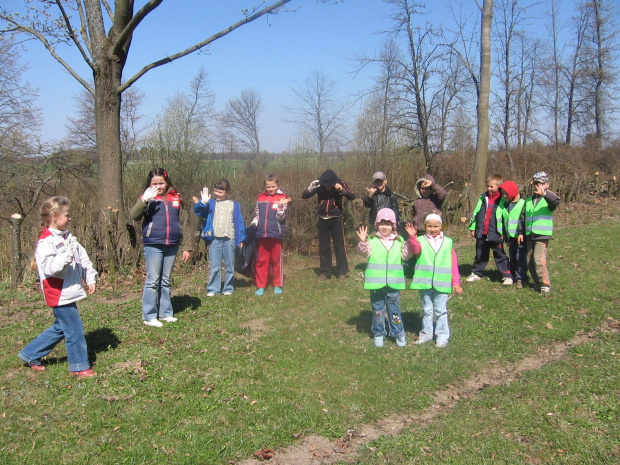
column 272, row 54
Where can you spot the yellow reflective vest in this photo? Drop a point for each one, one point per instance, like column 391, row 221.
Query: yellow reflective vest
column 433, row 270
column 385, row 267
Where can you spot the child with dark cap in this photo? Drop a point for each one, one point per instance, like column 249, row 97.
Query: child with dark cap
column 380, row 196
column 330, row 190
column 537, row 228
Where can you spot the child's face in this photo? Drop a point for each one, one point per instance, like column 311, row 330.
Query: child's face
column 385, row 227
column 271, row 187
column 61, row 219
column 380, row 184
column 220, row 194
column 505, row 195
column 160, row 183
column 432, row 227
column 492, row 187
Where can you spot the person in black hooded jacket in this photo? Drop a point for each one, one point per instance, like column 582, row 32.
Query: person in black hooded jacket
column 330, row 190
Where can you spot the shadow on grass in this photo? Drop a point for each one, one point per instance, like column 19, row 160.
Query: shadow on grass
column 98, row 340
column 180, row 303
column 412, row 322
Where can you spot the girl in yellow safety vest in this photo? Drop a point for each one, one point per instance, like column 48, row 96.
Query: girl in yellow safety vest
column 436, row 275
column 385, row 276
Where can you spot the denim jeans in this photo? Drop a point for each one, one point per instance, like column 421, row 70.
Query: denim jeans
column 221, row 248
column 68, row 325
column 518, row 260
column 156, row 295
column 382, row 300
column 437, row 303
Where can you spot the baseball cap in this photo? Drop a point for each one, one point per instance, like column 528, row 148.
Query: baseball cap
column 541, row 177
column 378, row 175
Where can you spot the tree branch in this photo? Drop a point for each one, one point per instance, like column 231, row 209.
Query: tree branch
column 169, row 59
column 71, row 33
column 133, row 24
column 51, row 50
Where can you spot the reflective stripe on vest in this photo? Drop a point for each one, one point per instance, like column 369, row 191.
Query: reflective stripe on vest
column 539, row 218
column 434, row 270
column 512, row 218
column 385, row 268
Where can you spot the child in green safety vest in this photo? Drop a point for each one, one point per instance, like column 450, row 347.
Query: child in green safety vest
column 436, row 275
column 536, row 227
column 508, row 225
column 385, row 276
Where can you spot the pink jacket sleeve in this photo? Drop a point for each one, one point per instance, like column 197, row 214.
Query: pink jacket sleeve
column 456, row 276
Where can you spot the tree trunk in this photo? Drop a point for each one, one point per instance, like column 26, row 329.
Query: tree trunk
column 109, row 157
column 16, row 250
column 478, row 178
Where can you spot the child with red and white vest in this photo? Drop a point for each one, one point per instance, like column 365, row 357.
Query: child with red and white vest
column 62, row 264
column 269, row 219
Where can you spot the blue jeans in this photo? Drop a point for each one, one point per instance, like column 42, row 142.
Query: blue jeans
column 156, row 295
column 68, row 325
column 518, row 260
column 382, row 300
column 437, row 303
column 221, row 248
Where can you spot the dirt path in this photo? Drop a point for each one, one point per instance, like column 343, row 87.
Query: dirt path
column 317, row 450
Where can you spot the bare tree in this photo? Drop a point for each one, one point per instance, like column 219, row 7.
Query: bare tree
column 81, row 130
column 19, row 118
column 240, row 121
column 102, row 35
column 318, row 112
column 479, row 173
column 600, row 51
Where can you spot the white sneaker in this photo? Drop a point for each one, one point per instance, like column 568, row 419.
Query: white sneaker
column 506, row 281
column 401, row 341
column 155, row 323
column 227, row 293
column 545, row 291
column 422, row 340
column 441, row 345
column 473, row 277
column 210, row 294
column 169, row 319
column 378, row 342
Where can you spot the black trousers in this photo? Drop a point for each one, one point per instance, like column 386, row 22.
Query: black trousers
column 483, row 247
column 332, row 229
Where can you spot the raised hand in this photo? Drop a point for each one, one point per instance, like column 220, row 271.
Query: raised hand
column 149, row 194
column 314, row 184
column 204, row 196
column 411, row 229
column 362, row 233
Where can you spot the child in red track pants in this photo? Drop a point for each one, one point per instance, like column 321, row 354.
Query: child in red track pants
column 269, row 220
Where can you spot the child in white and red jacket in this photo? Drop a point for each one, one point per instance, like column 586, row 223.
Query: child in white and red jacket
column 269, row 219
column 62, row 264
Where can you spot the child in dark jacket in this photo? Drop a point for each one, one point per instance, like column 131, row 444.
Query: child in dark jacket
column 430, row 197
column 380, row 196
column 483, row 226
column 270, row 215
column 508, row 228
column 330, row 190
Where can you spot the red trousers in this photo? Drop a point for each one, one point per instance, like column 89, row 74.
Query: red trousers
column 269, row 254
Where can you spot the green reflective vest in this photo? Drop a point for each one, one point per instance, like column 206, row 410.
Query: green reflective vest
column 539, row 218
column 434, row 270
column 510, row 219
column 498, row 213
column 385, row 267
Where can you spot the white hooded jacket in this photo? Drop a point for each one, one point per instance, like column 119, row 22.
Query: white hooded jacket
column 60, row 272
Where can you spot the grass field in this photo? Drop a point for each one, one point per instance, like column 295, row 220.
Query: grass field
column 242, row 373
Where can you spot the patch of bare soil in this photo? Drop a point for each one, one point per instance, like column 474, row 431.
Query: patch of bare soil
column 317, row 450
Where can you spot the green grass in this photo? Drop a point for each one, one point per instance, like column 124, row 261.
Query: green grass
column 241, row 373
